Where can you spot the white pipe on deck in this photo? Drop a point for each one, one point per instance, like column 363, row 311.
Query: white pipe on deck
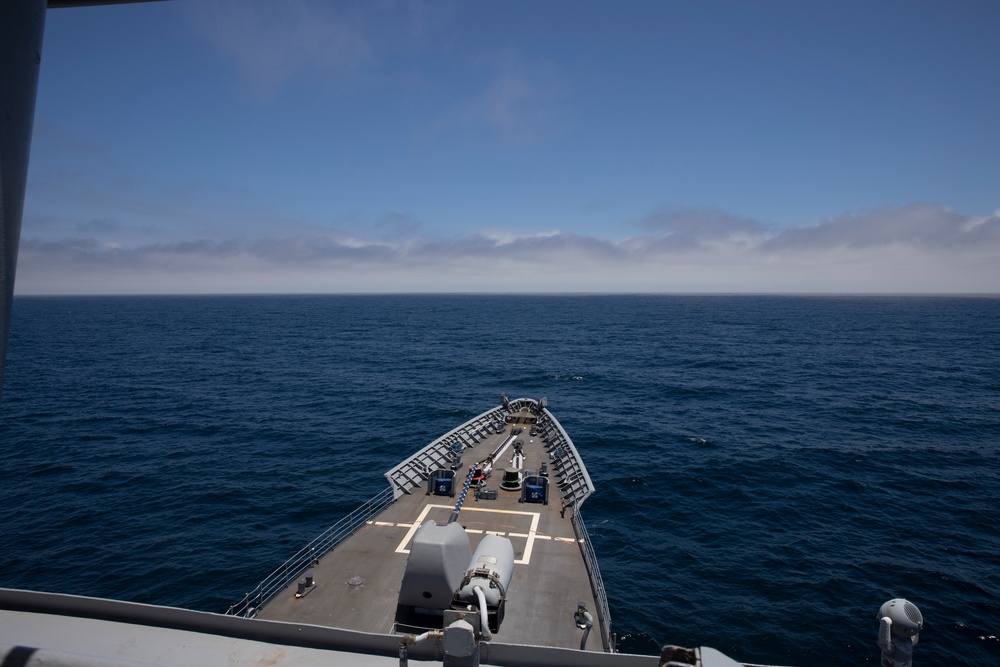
column 484, row 617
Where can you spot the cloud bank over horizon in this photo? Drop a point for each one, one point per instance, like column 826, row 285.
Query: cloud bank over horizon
column 921, row 248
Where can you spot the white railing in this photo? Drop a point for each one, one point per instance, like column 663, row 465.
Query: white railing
column 309, row 555
column 595, row 582
column 414, row 471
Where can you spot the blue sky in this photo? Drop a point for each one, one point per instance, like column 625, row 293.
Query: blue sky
column 671, row 146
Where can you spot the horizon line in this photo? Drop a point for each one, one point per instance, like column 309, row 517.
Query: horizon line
column 529, row 294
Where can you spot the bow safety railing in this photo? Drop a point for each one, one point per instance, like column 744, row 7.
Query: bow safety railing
column 590, row 559
column 309, row 555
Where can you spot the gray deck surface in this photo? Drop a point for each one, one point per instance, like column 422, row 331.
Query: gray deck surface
column 549, row 579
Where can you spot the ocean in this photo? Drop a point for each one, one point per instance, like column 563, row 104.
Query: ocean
column 769, row 469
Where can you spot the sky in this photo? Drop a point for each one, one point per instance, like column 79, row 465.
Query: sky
column 670, row 146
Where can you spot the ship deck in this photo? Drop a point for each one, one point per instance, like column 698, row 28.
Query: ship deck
column 356, row 585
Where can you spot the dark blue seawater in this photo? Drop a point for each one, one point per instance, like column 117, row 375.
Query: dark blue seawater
column 769, row 469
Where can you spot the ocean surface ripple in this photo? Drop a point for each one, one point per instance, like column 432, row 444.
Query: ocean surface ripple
column 769, row 470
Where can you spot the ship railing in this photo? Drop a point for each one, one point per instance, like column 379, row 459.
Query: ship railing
column 573, row 479
column 309, row 555
column 596, row 583
column 415, row 470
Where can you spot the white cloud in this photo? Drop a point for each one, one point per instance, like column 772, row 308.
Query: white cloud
column 700, row 223
column 270, row 42
column 920, row 248
column 502, row 237
column 928, row 226
column 520, row 102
